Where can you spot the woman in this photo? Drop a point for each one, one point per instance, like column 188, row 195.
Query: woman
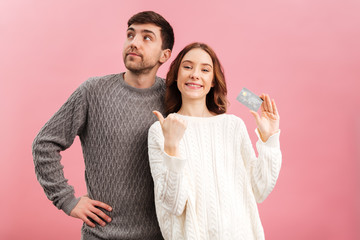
column 206, row 175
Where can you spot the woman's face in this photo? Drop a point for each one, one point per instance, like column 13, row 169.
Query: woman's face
column 195, row 76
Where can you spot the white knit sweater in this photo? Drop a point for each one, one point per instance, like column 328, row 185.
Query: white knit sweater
column 211, row 191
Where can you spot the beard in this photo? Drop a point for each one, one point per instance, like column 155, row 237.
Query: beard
column 138, row 68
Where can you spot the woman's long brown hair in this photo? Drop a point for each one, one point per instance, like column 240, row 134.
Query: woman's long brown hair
column 216, row 100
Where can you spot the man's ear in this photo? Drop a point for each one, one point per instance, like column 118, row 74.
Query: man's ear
column 165, row 55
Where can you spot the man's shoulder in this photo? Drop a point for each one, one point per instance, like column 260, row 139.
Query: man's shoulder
column 161, row 79
column 101, row 80
column 162, row 82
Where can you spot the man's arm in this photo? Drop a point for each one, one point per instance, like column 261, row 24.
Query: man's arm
column 57, row 135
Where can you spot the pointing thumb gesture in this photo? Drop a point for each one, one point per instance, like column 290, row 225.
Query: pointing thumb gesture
column 159, row 116
column 173, row 128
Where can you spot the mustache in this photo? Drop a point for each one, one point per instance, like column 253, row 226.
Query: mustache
column 133, row 51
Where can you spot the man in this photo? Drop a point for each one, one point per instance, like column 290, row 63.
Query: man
column 111, row 115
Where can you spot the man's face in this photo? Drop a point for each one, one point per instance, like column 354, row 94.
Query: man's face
column 142, row 48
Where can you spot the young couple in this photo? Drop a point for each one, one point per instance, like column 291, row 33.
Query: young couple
column 203, row 172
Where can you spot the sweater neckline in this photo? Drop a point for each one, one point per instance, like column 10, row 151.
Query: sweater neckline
column 155, row 86
column 201, row 119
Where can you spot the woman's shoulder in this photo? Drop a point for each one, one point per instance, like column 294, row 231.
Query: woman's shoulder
column 156, row 125
column 233, row 118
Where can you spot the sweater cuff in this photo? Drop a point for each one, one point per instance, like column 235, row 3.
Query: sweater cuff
column 273, row 141
column 174, row 164
column 69, row 204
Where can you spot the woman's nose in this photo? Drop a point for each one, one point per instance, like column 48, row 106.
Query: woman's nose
column 195, row 74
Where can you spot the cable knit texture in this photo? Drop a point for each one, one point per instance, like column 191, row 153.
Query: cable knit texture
column 211, row 191
column 112, row 120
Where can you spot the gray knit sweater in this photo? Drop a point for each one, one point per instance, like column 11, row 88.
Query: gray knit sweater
column 112, row 120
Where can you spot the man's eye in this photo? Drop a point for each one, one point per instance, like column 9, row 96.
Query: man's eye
column 130, row 35
column 147, row 38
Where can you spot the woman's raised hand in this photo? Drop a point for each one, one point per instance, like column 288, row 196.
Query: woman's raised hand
column 173, row 129
column 268, row 122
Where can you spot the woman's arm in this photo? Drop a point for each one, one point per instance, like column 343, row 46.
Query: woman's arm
column 264, row 170
column 167, row 171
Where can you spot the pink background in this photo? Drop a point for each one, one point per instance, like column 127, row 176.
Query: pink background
column 304, row 53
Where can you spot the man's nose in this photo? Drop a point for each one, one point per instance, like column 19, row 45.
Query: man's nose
column 135, row 42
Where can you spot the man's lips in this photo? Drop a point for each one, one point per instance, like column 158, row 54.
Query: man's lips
column 133, row 54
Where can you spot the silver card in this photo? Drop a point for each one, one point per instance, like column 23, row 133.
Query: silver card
column 249, row 99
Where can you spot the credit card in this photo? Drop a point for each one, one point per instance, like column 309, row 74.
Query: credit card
column 249, row 99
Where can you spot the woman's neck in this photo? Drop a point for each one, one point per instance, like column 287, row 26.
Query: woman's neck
column 195, row 108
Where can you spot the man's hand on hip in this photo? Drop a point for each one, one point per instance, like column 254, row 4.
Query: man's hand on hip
column 87, row 208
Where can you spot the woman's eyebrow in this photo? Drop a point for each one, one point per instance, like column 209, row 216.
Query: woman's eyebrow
column 189, row 61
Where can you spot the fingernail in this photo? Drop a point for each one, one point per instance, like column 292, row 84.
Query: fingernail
column 109, row 219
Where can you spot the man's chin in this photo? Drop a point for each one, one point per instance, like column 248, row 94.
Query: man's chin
column 133, row 66
column 135, row 69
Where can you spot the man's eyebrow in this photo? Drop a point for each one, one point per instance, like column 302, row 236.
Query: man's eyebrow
column 143, row 31
column 189, row 61
column 148, row 31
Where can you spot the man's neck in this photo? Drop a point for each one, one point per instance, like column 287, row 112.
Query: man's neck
column 144, row 80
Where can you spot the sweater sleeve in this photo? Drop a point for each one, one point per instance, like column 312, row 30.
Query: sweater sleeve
column 263, row 170
column 57, row 135
column 168, row 173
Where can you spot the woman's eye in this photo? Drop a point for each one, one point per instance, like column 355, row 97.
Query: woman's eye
column 187, row 67
column 206, row 70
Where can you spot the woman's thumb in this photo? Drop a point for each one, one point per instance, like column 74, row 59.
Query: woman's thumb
column 159, row 116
